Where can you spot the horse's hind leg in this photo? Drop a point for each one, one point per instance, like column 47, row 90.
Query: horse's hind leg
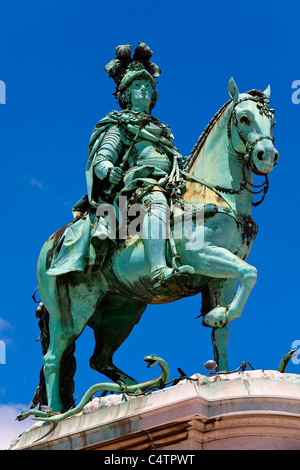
column 69, row 310
column 111, row 329
column 60, row 339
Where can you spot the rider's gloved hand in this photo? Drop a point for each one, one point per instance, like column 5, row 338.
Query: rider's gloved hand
column 115, row 175
column 181, row 161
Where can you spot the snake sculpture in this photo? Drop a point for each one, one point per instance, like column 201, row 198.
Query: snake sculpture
column 285, row 360
column 135, row 390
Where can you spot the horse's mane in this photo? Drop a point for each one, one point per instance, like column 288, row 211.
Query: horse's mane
column 203, row 137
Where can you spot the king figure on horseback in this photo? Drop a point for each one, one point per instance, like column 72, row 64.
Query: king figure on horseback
column 130, row 153
column 89, row 276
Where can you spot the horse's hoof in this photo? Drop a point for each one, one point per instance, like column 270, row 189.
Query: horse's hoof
column 216, row 318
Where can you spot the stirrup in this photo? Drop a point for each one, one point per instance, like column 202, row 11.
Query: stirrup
column 161, row 275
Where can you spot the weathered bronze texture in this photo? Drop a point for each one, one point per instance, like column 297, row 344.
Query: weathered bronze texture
column 88, row 276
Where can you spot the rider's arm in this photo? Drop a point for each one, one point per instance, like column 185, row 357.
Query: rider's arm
column 108, row 154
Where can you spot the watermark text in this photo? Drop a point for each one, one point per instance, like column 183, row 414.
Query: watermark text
column 296, row 94
column 2, row 352
column 296, row 356
column 2, row 92
column 152, row 222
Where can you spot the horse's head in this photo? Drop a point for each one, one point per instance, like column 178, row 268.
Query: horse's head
column 250, row 128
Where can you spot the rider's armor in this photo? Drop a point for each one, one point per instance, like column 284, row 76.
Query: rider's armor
column 144, row 153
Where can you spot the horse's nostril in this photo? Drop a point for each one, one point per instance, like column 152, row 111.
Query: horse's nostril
column 260, row 155
column 276, row 156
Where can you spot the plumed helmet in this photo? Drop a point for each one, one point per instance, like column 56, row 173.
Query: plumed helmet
column 124, row 68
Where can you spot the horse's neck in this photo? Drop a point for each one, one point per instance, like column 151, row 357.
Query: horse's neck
column 218, row 165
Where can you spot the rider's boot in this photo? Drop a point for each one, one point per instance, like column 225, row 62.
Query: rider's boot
column 155, row 227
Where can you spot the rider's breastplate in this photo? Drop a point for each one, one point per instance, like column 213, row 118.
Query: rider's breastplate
column 152, row 154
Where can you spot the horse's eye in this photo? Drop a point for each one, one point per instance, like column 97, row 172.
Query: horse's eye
column 245, row 120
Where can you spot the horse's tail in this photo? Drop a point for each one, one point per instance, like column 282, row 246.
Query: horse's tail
column 67, row 366
column 40, row 396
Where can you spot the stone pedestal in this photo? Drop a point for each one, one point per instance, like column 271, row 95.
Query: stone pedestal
column 251, row 410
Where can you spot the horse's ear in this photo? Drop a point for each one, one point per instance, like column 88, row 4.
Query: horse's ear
column 267, row 91
column 233, row 90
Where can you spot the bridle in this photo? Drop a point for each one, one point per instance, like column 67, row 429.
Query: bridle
column 263, row 106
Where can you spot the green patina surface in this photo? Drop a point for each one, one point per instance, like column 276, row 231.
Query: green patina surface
column 87, row 277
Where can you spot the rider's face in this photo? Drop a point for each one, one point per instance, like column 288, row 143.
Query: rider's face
column 141, row 93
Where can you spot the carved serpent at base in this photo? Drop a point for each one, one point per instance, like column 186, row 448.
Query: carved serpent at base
column 137, row 389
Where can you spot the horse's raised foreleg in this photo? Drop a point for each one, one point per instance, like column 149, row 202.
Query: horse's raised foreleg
column 115, row 325
column 219, row 263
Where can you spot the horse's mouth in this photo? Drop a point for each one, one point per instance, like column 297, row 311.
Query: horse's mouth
column 264, row 168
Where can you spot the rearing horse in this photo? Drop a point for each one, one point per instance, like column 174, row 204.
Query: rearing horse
column 219, row 178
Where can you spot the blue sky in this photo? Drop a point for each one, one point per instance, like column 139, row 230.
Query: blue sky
column 52, row 59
